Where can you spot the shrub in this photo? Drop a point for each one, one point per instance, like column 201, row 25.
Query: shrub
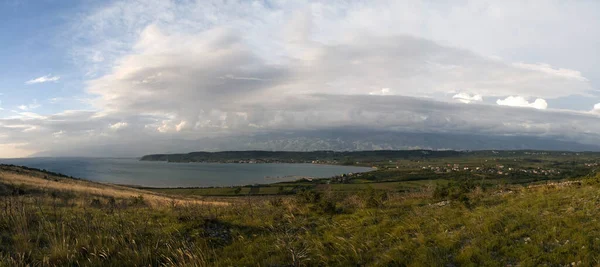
column 592, row 179
column 237, row 190
column 352, row 202
column 137, row 201
column 441, row 192
column 456, row 190
column 375, row 198
column 276, row 202
column 308, row 196
column 325, row 206
column 96, row 203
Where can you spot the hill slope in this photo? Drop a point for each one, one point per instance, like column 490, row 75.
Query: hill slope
column 20, row 177
column 551, row 224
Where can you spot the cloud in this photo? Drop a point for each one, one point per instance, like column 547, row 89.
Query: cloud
column 31, row 106
column 119, row 125
column 467, row 98
column 214, row 82
column 277, row 31
column 519, row 101
column 77, row 130
column 164, row 70
column 27, row 115
column 55, row 100
column 188, row 75
column 43, row 79
column 383, row 91
column 561, row 72
column 596, row 108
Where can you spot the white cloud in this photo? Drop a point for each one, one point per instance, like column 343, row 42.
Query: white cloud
column 383, row 91
column 27, row 115
column 43, row 79
column 546, row 68
column 183, row 74
column 181, row 126
column 119, row 125
column 97, row 57
column 58, row 134
column 55, row 100
column 596, row 108
column 32, row 106
column 467, row 98
column 519, row 101
column 194, row 85
column 188, row 69
column 189, row 75
column 294, row 29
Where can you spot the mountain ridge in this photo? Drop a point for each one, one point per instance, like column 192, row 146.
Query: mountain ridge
column 334, row 140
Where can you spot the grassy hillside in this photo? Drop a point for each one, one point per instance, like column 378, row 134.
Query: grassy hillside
column 24, row 179
column 48, row 220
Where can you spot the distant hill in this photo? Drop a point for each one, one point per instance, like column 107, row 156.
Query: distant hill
column 336, row 157
column 359, row 140
column 334, row 140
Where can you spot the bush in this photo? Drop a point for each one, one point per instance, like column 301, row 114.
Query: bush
column 321, row 204
column 276, row 202
column 441, row 192
column 96, row 203
column 137, row 201
column 456, row 190
column 325, row 206
column 308, row 196
column 592, row 179
column 375, row 198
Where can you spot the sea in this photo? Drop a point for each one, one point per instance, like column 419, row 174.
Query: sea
column 129, row 171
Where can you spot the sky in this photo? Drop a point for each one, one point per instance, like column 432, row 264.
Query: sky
column 75, row 74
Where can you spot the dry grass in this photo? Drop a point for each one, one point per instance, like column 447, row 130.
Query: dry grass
column 44, row 181
column 510, row 225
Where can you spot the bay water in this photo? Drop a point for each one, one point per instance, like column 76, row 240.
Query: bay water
column 162, row 174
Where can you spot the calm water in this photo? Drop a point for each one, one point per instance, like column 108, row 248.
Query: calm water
column 162, row 174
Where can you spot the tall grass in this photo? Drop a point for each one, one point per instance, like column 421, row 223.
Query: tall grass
column 542, row 225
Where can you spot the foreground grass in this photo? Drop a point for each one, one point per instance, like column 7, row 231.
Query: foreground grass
column 527, row 226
